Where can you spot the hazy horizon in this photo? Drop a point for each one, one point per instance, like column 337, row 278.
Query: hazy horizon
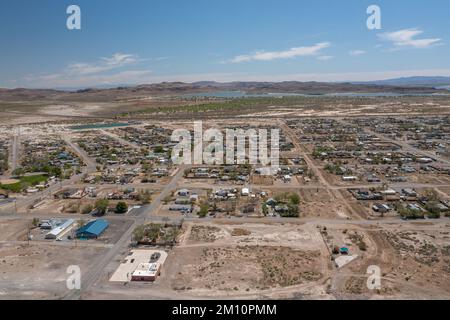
column 153, row 41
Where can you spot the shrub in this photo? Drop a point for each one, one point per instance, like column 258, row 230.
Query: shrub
column 203, row 210
column 121, row 207
column 86, row 209
column 102, row 205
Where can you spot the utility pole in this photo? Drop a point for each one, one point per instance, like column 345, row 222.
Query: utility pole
column 29, row 235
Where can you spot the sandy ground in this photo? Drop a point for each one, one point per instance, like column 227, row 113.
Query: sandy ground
column 70, row 110
column 40, row 272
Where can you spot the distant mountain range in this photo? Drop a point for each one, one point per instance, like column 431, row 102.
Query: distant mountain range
column 435, row 82
column 414, row 85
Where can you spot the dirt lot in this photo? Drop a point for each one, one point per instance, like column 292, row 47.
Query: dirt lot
column 414, row 264
column 229, row 259
column 13, row 229
column 292, row 235
column 39, row 272
column 446, row 190
column 246, row 268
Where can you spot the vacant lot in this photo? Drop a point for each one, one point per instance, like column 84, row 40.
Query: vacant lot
column 414, row 264
column 38, row 271
column 13, row 229
column 231, row 270
column 277, row 234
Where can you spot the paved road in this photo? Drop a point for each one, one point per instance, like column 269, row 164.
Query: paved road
column 81, row 244
column 90, row 163
column 92, row 275
column 333, row 193
column 15, row 149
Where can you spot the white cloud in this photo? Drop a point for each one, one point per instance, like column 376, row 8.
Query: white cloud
column 107, row 70
column 120, row 59
column 407, row 38
column 325, row 58
column 60, row 80
column 116, row 61
column 272, row 55
column 356, row 53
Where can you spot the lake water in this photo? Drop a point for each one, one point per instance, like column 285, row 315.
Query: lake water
column 99, row 126
column 243, row 94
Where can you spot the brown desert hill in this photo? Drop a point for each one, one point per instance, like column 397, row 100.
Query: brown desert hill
column 180, row 88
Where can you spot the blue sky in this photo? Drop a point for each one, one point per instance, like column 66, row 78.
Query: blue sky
column 145, row 41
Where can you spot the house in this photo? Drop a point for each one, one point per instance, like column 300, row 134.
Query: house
column 245, row 192
column 183, row 193
column 281, row 208
column 373, row 179
column 424, row 160
column 389, row 192
column 381, row 208
column 409, row 192
column 349, row 178
column 414, row 207
column 181, row 207
column 398, row 179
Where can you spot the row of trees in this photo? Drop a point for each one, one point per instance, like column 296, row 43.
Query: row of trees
column 102, row 205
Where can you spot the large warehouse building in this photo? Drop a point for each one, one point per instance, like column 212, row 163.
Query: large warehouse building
column 59, row 229
column 93, row 229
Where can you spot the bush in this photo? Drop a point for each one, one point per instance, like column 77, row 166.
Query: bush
column 138, row 233
column 294, row 199
column 35, row 222
column 265, row 210
column 145, row 197
column 102, row 206
column 159, row 149
column 203, row 210
column 121, row 207
column 86, row 209
column 362, row 245
column 292, row 212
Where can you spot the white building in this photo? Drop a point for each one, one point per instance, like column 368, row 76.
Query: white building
column 146, row 272
column 57, row 231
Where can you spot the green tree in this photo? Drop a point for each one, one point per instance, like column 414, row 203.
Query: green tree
column 203, row 210
column 159, row 149
column 139, row 233
column 294, row 198
column 102, row 205
column 121, row 207
column 35, row 222
column 18, row 172
column 265, row 210
column 145, row 197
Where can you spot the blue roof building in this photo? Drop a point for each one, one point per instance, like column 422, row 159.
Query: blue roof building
column 93, row 229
